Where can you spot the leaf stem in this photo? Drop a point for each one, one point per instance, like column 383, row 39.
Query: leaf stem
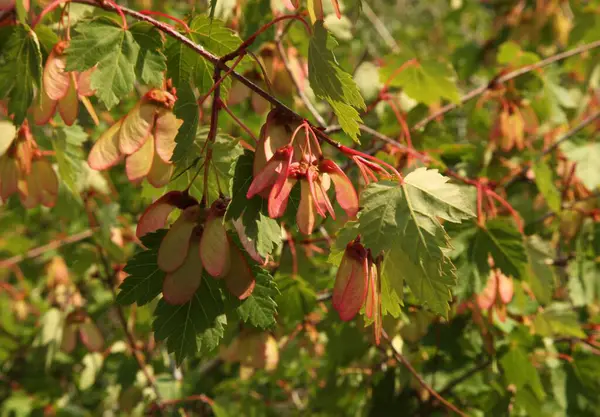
column 402, row 359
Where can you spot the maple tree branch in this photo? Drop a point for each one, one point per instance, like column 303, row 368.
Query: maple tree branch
column 40, row 250
column 212, row 132
column 380, row 28
column 402, row 359
column 210, row 57
column 501, row 79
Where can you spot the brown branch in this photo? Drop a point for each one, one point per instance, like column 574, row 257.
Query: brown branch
column 212, row 132
column 400, row 358
column 504, row 78
column 40, row 250
column 210, row 57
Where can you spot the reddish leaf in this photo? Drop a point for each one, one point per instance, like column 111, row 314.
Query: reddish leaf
column 265, row 178
column 175, row 245
column 42, row 172
column 69, row 338
column 160, row 172
column 239, row 281
column 105, row 152
column 306, row 215
column 350, row 288
column 246, row 242
column 138, row 164
column 90, row 336
column 156, row 214
column 345, row 193
column 179, row 286
column 487, row 298
column 137, row 127
column 68, row 106
column 44, row 109
column 505, row 288
column 84, row 86
column 167, row 127
column 56, row 80
column 9, row 177
column 278, row 204
column 214, row 248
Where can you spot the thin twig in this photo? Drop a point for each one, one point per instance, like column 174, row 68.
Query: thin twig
column 468, row 374
column 566, row 136
column 199, row 49
column 307, row 103
column 109, row 275
column 380, row 28
column 212, row 132
column 40, row 250
column 504, row 78
column 578, row 128
column 399, row 357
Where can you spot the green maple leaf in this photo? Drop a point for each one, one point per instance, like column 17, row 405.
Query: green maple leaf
column 558, row 320
column 501, row 239
column 113, row 49
column 586, row 157
column 151, row 63
column 69, row 155
column 427, row 82
column 225, row 151
column 402, row 222
column 330, row 82
column 145, row 279
column 196, row 326
column 260, row 308
column 189, row 70
column 544, row 179
column 20, row 69
column 264, row 232
column 519, row 371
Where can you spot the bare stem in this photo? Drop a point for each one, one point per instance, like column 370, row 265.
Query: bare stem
column 40, row 250
column 507, row 77
column 399, row 357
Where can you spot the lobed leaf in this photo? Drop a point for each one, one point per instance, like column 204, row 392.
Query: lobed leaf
column 101, row 42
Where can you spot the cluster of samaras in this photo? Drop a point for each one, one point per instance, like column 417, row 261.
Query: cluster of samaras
column 145, row 137
column 197, row 241
column 288, row 152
